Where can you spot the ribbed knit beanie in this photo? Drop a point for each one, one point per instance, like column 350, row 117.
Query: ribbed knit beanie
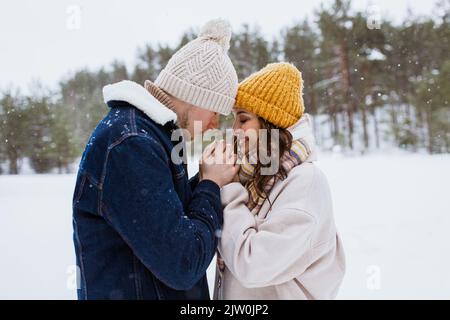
column 201, row 73
column 274, row 93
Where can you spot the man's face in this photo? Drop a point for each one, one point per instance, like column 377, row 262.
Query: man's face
column 206, row 120
column 191, row 117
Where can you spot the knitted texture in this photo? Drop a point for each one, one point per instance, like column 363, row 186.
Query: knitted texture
column 201, row 73
column 274, row 93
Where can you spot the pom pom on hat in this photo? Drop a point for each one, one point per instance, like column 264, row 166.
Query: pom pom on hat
column 218, row 30
column 201, row 73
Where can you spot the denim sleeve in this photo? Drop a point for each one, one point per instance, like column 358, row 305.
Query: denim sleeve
column 193, row 182
column 140, row 202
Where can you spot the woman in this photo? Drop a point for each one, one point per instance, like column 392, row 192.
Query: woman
column 279, row 239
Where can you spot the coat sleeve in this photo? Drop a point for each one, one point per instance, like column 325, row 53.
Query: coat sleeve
column 140, row 202
column 276, row 252
column 193, row 182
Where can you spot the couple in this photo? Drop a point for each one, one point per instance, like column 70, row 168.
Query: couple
column 143, row 230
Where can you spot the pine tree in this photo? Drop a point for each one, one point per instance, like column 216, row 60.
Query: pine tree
column 13, row 129
column 249, row 51
column 81, row 96
column 299, row 47
column 335, row 25
column 64, row 147
column 365, row 84
column 366, row 71
column 40, row 149
column 145, row 68
column 433, row 97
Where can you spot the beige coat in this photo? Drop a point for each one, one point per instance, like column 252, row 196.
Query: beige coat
column 290, row 252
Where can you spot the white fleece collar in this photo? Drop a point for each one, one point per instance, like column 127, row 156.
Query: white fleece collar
column 139, row 97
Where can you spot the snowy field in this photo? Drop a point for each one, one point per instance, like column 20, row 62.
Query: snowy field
column 393, row 213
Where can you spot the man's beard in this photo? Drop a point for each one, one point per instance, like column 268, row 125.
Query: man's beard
column 184, row 123
column 183, row 120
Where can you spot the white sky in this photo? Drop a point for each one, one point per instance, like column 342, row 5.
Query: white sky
column 36, row 44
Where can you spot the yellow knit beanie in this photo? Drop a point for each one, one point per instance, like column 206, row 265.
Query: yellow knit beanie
column 274, row 93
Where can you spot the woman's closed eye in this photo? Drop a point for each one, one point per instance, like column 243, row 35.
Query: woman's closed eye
column 243, row 120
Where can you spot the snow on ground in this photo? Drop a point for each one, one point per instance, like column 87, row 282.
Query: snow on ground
column 393, row 213
column 36, row 248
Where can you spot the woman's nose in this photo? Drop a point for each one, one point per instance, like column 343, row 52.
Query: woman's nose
column 235, row 125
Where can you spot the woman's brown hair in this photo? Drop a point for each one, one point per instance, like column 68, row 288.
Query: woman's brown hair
column 284, row 145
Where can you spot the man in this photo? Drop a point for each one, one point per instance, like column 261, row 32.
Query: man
column 142, row 230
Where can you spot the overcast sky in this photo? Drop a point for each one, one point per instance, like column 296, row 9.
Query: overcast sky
column 44, row 39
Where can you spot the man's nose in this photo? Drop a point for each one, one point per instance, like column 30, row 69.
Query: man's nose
column 214, row 123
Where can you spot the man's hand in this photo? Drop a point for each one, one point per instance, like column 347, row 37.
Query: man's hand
column 218, row 163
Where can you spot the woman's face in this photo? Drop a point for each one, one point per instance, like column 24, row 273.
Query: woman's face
column 248, row 124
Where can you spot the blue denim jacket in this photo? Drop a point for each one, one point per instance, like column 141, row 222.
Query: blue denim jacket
column 142, row 230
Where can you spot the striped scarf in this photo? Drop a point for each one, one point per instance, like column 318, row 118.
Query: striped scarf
column 299, row 152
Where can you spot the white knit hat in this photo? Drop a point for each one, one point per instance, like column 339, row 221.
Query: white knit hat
column 201, row 73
